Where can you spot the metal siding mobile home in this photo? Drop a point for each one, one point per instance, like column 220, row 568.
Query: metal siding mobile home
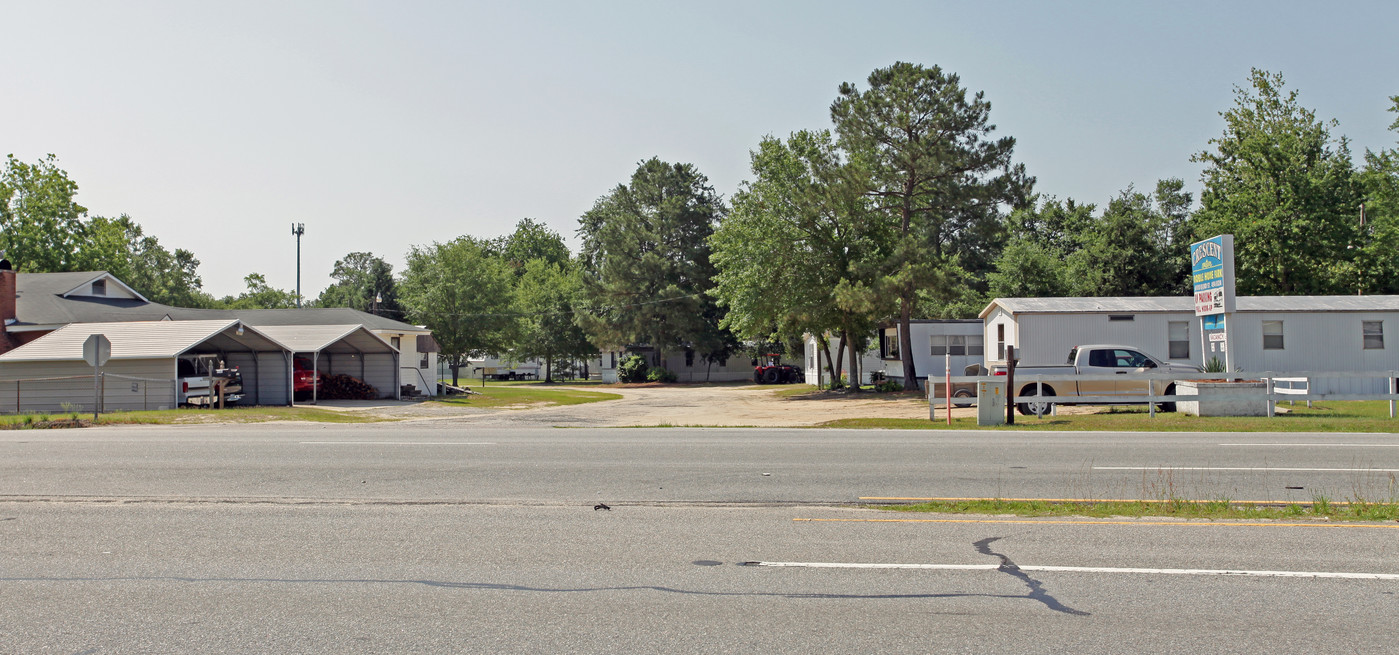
column 1320, row 333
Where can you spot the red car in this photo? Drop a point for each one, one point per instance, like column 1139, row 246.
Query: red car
column 304, row 381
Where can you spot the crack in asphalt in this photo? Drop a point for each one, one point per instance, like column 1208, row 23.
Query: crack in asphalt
column 1037, row 591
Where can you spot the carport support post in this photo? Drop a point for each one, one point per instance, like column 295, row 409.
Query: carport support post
column 1010, row 385
column 315, row 376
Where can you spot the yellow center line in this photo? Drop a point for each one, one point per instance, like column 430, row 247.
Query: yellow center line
column 1173, row 524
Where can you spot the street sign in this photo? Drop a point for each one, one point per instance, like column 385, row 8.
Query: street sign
column 97, row 350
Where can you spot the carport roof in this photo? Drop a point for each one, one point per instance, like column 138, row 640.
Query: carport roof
column 144, row 340
column 327, row 338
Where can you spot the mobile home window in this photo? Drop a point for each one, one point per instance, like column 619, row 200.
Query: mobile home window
column 939, row 344
column 1373, row 334
column 890, row 343
column 1001, row 341
column 1178, row 340
column 99, row 287
column 1272, row 335
column 974, row 345
column 1121, row 317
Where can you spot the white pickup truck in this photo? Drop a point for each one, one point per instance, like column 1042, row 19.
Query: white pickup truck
column 1098, row 361
column 197, row 376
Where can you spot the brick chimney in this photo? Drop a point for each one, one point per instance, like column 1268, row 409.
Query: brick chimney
column 7, row 308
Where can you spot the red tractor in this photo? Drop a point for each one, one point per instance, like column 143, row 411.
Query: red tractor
column 772, row 371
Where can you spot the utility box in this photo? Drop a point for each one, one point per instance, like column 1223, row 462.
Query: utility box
column 991, row 402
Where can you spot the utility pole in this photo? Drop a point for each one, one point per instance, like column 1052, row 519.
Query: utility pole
column 298, row 229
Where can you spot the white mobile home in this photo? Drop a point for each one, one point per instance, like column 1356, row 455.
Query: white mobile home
column 934, row 342
column 1267, row 333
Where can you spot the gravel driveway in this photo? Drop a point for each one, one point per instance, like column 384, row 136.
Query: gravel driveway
column 680, row 405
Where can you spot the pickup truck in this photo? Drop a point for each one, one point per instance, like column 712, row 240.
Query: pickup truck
column 1098, row 360
column 197, row 375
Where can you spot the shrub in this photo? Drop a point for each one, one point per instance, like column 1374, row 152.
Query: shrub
column 888, row 386
column 632, row 369
column 661, row 375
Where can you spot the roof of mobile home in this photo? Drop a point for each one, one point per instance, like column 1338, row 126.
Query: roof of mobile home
column 1178, row 304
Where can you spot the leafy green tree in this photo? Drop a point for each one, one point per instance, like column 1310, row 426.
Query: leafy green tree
column 547, row 296
column 1279, row 182
column 259, row 295
column 41, row 226
column 1119, row 254
column 533, row 240
column 802, row 250
column 934, row 172
column 121, row 247
column 646, row 261
column 1042, row 236
column 364, row 282
column 1377, row 268
column 464, row 294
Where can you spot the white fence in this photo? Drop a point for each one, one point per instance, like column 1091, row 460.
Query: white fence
column 1271, row 394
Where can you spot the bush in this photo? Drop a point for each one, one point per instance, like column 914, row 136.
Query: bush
column 661, row 375
column 888, row 386
column 632, row 369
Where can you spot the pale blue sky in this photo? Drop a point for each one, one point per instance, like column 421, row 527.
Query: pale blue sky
column 382, row 125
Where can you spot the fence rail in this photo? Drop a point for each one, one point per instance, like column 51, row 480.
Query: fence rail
column 1270, row 396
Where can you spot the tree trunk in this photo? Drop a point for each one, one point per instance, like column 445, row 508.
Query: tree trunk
column 548, row 369
column 854, row 366
column 456, row 366
column 906, row 345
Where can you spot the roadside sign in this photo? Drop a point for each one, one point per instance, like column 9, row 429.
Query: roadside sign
column 97, row 350
column 1212, row 275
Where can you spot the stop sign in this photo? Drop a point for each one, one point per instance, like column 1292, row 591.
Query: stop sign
column 97, row 350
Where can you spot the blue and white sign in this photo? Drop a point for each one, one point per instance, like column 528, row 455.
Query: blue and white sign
column 1212, row 274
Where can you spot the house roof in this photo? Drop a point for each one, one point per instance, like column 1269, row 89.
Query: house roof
column 1178, row 304
column 144, row 340
column 40, row 303
column 328, row 338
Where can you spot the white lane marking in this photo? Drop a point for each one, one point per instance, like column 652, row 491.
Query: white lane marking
column 1236, row 468
column 403, row 443
column 1088, row 569
column 1317, row 445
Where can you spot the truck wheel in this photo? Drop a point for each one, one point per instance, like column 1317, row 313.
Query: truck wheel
column 758, row 375
column 964, row 394
column 1041, row 407
column 1168, row 407
column 771, row 376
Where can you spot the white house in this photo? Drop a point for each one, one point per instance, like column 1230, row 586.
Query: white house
column 1267, row 333
column 688, row 365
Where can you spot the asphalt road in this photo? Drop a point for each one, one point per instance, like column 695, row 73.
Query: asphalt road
column 435, row 538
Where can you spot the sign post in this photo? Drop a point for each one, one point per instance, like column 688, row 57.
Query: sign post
column 1212, row 278
column 96, row 351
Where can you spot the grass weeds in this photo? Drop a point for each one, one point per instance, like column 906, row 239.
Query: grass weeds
column 1320, row 508
column 508, row 396
column 1337, row 416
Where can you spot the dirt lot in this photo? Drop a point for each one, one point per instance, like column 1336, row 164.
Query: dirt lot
column 672, row 405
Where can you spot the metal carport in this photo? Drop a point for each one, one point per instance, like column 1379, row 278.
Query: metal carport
column 144, row 353
column 351, row 350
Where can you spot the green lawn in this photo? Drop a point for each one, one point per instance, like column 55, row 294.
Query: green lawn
column 179, row 416
column 1339, row 416
column 1318, row 508
column 506, row 395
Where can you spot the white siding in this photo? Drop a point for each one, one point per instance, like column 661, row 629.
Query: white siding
column 1045, row 339
column 1318, row 341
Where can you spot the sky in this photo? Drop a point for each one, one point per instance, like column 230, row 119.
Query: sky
column 381, row 126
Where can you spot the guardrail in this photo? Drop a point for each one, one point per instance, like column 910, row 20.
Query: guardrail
column 1271, row 395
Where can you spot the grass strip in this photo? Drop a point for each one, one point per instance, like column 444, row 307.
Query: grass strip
column 1328, row 416
column 522, row 396
column 1319, row 508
